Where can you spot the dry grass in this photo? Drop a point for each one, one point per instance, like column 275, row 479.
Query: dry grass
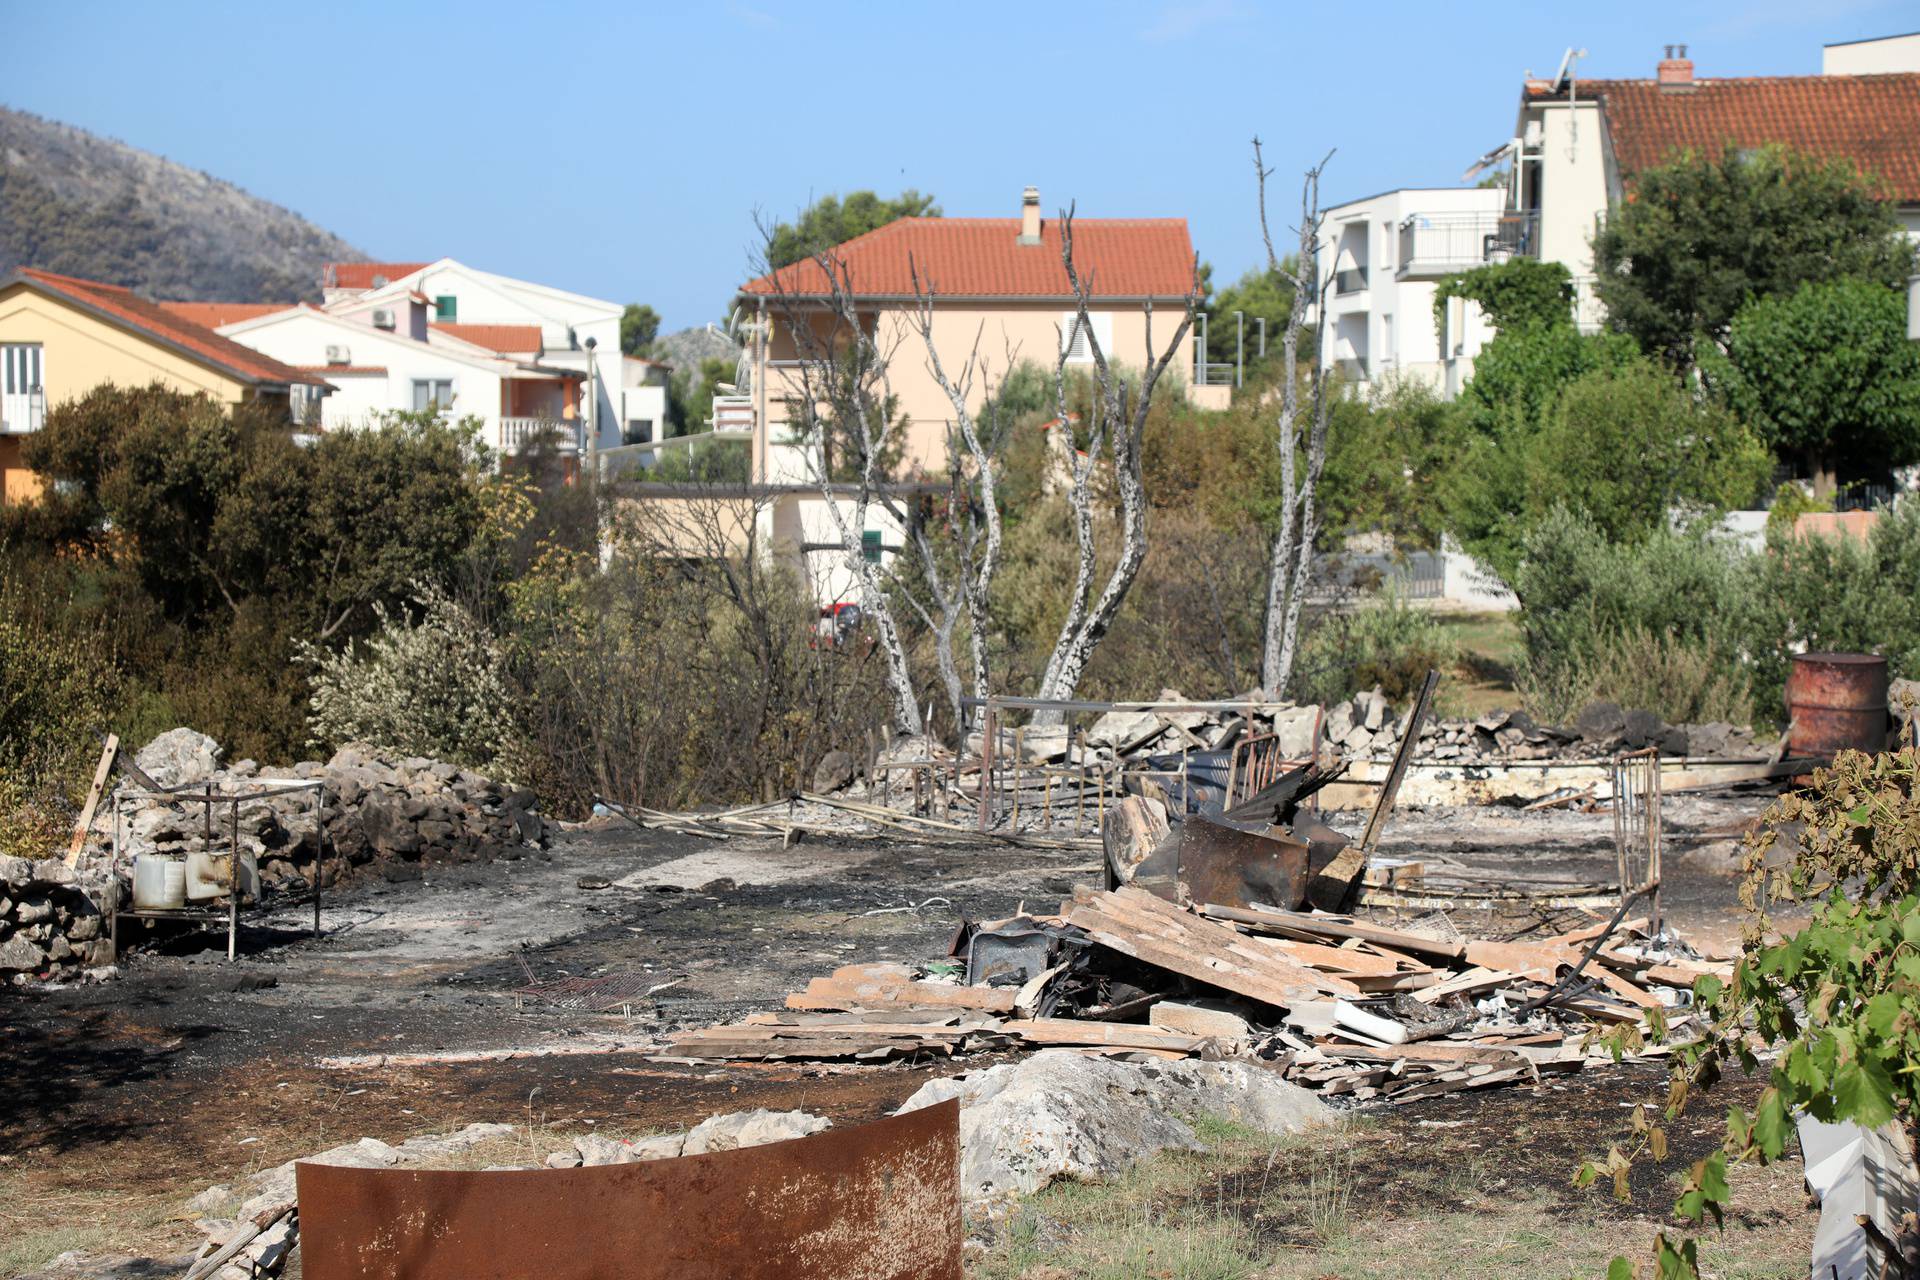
column 1302, row 1210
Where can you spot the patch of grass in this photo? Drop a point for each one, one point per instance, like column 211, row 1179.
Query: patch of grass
column 1490, row 648
column 1309, row 1207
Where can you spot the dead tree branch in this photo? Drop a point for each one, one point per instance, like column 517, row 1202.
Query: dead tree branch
column 1290, row 562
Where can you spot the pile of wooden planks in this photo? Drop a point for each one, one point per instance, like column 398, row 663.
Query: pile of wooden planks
column 1342, row 1004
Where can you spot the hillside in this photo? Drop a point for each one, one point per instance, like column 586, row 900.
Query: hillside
column 89, row 206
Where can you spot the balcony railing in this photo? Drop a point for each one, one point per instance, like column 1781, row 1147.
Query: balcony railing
column 517, row 432
column 733, row 415
column 1352, row 280
column 23, row 413
column 1438, row 244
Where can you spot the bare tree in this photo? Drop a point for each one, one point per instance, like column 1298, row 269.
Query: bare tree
column 973, row 448
column 1120, row 419
column 1290, row 562
column 843, row 389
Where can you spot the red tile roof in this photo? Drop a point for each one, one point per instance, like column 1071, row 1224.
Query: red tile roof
column 214, row 314
column 1873, row 121
column 155, row 321
column 495, row 337
column 361, row 275
column 980, row 258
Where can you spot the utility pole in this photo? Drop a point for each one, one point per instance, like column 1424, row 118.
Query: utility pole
column 1239, row 349
column 593, row 415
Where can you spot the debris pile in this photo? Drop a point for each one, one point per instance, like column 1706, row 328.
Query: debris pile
column 1332, row 1002
column 1367, row 725
column 374, row 808
column 53, row 918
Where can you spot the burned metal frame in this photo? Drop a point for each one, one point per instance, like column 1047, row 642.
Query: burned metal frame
column 234, row 799
column 1636, row 826
column 1109, row 781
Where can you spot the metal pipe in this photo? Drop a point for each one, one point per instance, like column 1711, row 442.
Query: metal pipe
column 1239, row 348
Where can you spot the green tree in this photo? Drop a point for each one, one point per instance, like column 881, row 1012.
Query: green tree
column 1258, row 294
column 639, row 326
column 1828, row 376
column 690, row 393
column 1386, row 459
column 1629, row 446
column 1699, row 237
column 832, row 220
column 1523, row 293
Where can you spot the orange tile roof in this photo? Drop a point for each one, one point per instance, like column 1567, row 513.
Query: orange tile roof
column 361, row 275
column 214, row 314
column 1873, row 121
column 980, row 258
column 495, row 337
column 155, row 321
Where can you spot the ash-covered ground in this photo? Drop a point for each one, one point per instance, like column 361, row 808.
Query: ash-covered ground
column 189, row 1069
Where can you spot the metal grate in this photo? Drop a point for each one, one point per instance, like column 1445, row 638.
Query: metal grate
column 587, row 995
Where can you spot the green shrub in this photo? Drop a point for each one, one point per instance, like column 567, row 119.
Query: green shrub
column 1386, row 642
column 56, row 689
column 435, row 685
column 1597, row 615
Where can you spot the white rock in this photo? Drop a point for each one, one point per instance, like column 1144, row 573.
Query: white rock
column 750, row 1129
column 1063, row 1114
column 1123, row 730
column 564, row 1160
column 597, row 1150
column 179, row 755
column 1294, row 728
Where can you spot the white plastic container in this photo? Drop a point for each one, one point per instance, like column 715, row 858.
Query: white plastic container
column 206, row 876
column 159, row 884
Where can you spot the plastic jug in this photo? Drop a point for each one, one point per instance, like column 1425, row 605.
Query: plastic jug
column 159, row 884
column 207, row 876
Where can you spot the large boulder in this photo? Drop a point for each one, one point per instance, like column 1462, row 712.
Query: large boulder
column 1063, row 1114
column 179, row 756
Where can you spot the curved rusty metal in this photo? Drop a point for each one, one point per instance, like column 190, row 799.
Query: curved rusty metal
column 879, row 1201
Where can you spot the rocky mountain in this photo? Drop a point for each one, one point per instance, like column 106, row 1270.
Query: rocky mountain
column 89, row 206
column 686, row 348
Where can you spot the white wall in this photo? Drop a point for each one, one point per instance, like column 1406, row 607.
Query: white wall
column 1390, row 322
column 302, row 338
column 1573, row 182
column 1871, row 57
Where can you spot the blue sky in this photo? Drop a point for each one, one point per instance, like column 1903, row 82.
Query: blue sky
column 622, row 150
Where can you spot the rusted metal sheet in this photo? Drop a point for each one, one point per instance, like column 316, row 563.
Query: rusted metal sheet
column 1836, row 701
column 1239, row 865
column 879, row 1201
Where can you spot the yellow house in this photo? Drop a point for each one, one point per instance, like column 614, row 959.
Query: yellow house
column 60, row 337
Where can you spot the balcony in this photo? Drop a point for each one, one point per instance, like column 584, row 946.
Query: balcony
column 733, row 415
column 1352, row 280
column 1438, row 244
column 516, row 433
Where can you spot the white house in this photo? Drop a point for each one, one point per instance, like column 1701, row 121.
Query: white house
column 377, row 369
column 1381, row 258
column 1579, row 143
column 577, row 333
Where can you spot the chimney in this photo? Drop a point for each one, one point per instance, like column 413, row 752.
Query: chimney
column 1030, row 216
column 1675, row 72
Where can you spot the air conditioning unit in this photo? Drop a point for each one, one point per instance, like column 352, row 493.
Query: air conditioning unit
column 383, row 318
column 339, row 355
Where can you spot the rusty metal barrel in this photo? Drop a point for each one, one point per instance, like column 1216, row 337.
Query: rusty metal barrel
column 1836, row 701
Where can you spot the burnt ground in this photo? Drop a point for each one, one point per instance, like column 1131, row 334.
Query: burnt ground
column 124, row 1098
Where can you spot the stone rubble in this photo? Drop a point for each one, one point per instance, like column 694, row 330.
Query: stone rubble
column 1063, row 1114
column 385, row 814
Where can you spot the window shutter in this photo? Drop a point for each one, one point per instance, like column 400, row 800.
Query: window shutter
column 1073, row 338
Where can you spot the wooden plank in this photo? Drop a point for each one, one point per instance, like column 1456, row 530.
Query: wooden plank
column 1472, row 980
column 1422, row 1051
column 1527, row 959
column 80, row 828
column 868, row 986
column 1070, row 1031
column 1198, row 1020
column 1348, row 962
column 1136, row 923
column 1336, row 927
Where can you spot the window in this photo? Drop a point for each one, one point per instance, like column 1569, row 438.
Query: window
column 303, row 403
column 870, row 545
column 22, row 401
column 446, row 309
column 1074, row 338
column 432, row 393
column 639, row 430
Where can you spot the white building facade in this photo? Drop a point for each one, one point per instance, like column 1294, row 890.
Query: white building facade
column 1381, row 259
